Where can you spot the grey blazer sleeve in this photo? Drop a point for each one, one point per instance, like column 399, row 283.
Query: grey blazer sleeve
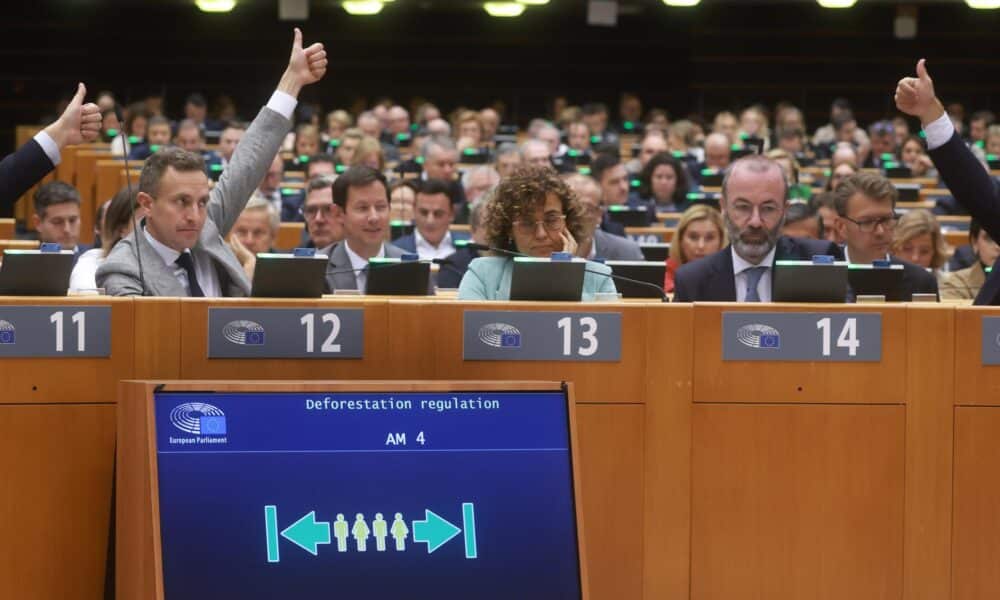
column 245, row 171
column 119, row 275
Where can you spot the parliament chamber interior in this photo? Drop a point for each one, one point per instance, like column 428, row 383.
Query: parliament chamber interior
column 524, row 299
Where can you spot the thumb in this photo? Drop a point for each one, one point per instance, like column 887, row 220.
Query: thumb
column 297, row 43
column 922, row 70
column 81, row 92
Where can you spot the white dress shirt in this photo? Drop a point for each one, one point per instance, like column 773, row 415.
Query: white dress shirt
column 358, row 263
column 84, row 275
column 939, row 132
column 208, row 279
column 49, row 146
column 427, row 251
column 740, row 265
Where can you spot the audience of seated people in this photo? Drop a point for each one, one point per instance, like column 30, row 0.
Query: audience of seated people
column 857, row 210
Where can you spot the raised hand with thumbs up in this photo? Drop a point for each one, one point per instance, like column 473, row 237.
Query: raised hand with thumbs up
column 79, row 124
column 915, row 96
column 306, row 65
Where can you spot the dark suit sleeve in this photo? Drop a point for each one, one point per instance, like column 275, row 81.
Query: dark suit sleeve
column 969, row 183
column 21, row 170
column 684, row 285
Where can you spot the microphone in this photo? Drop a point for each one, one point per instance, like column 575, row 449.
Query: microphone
column 132, row 201
column 646, row 284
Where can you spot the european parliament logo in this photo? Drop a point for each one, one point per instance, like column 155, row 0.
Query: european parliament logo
column 7, row 333
column 198, row 418
column 244, row 333
column 759, row 336
column 500, row 335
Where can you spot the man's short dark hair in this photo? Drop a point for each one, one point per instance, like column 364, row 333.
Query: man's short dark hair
column 594, row 108
column 603, row 162
column 157, row 164
column 985, row 116
column 196, row 99
column 320, row 183
column 356, row 176
column 842, row 119
column 320, row 159
column 841, row 103
column 872, row 185
column 52, row 193
column 157, row 120
column 432, row 187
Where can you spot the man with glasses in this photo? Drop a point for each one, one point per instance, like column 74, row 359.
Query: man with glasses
column 754, row 200
column 320, row 214
column 866, row 219
column 598, row 243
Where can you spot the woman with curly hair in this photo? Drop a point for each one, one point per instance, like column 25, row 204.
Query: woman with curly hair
column 531, row 212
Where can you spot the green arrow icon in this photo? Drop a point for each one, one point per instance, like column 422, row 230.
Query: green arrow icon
column 433, row 531
column 307, row 533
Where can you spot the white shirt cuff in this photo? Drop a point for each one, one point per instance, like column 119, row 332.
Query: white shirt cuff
column 939, row 132
column 282, row 103
column 50, row 147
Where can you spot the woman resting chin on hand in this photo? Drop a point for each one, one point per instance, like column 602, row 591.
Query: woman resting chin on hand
column 532, row 212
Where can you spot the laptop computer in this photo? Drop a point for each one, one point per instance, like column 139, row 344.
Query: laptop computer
column 397, row 277
column 638, row 216
column 35, row 272
column 547, row 280
column 655, row 251
column 289, row 276
column 652, row 272
column 871, row 280
column 807, row 281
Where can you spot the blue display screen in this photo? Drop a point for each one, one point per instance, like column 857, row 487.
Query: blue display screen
column 444, row 496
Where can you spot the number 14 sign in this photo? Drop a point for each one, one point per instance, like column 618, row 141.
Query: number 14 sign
column 785, row 336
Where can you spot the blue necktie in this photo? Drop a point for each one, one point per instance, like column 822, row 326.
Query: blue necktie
column 753, row 278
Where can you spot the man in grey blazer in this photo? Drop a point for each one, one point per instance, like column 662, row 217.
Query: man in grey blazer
column 180, row 247
column 600, row 243
column 362, row 196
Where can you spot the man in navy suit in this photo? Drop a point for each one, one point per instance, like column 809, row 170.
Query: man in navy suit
column 57, row 216
column 965, row 176
column 866, row 219
column 80, row 123
column 754, row 200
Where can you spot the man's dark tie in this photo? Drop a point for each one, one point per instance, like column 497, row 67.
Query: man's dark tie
column 187, row 263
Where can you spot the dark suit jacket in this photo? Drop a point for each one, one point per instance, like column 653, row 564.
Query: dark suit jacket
column 451, row 274
column 612, row 227
column 973, row 188
column 407, row 242
column 916, row 280
column 712, row 279
column 19, row 171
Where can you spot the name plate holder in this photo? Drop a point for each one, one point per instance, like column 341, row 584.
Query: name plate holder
column 59, row 331
column 291, row 332
column 991, row 341
column 802, row 336
column 541, row 335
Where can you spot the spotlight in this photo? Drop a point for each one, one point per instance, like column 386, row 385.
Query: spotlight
column 362, row 7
